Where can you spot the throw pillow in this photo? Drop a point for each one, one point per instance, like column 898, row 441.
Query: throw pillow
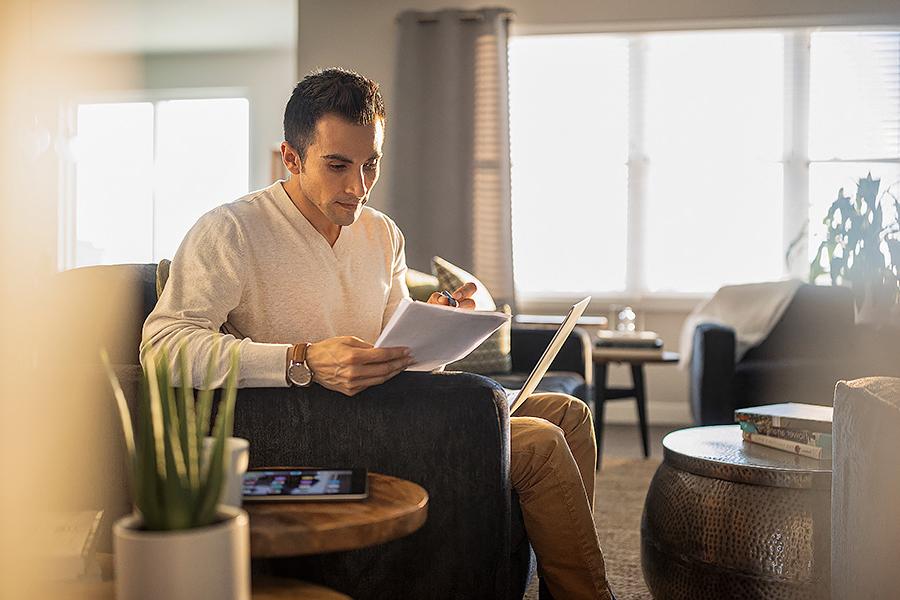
column 492, row 357
column 421, row 285
column 451, row 277
column 162, row 276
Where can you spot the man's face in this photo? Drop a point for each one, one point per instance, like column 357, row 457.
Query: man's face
column 341, row 167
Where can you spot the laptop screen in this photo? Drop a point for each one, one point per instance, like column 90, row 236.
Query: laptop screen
column 550, row 353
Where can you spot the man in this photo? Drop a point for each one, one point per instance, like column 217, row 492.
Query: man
column 302, row 276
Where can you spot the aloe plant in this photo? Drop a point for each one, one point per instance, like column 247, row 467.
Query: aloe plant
column 852, row 252
column 172, row 486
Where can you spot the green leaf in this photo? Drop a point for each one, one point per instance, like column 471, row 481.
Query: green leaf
column 212, row 491
column 156, row 419
column 147, row 495
column 190, row 441
column 122, row 404
column 205, row 397
column 867, row 191
column 171, row 487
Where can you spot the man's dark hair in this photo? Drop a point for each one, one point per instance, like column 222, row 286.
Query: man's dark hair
column 339, row 91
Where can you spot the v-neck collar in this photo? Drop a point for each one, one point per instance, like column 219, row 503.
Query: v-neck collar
column 300, row 221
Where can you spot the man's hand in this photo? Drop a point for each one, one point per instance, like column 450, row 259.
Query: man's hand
column 462, row 295
column 349, row 365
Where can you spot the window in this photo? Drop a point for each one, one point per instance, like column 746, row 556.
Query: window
column 671, row 163
column 854, row 117
column 144, row 172
column 569, row 162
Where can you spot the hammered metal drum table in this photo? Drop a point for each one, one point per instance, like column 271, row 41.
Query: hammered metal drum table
column 725, row 518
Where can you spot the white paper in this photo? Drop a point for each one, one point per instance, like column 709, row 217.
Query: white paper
column 437, row 334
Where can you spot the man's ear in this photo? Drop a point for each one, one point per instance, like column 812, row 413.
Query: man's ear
column 291, row 159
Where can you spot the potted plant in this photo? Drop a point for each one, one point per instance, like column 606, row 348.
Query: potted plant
column 180, row 543
column 862, row 250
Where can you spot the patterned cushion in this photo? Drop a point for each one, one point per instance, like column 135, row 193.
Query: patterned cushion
column 421, row 285
column 451, row 277
column 493, row 355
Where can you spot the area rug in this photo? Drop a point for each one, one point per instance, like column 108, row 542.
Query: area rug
column 620, row 490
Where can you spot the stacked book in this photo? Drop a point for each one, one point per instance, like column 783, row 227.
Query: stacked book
column 803, row 429
column 638, row 341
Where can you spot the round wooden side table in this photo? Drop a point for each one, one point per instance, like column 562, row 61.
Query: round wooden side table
column 395, row 508
column 264, row 588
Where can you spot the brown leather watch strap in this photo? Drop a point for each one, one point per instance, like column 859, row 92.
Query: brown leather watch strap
column 299, row 353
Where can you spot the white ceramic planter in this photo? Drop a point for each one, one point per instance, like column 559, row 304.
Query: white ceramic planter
column 210, row 562
column 237, row 458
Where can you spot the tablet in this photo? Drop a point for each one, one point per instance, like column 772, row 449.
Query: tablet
column 296, row 484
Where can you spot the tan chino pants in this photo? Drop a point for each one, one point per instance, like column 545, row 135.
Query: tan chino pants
column 553, row 461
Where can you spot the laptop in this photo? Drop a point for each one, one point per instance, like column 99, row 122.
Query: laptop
column 517, row 397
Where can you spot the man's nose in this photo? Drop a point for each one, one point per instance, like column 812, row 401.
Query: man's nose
column 357, row 184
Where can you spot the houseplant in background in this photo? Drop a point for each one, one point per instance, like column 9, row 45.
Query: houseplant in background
column 180, row 543
column 862, row 249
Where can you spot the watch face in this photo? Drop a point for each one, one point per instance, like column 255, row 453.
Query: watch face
column 299, row 374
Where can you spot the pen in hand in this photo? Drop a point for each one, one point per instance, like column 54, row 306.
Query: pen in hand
column 450, row 299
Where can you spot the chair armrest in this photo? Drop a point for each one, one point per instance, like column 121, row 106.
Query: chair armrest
column 712, row 374
column 528, row 344
column 448, row 432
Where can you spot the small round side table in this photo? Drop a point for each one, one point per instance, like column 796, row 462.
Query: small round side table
column 395, row 508
column 725, row 518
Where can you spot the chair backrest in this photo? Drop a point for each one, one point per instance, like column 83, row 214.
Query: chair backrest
column 105, row 307
column 817, row 322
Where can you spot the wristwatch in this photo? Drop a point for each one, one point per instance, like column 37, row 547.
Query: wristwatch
column 298, row 372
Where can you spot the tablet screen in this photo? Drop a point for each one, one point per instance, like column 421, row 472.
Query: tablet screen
column 298, row 482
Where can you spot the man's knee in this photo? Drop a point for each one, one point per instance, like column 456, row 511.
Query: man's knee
column 576, row 414
column 538, row 436
column 579, row 409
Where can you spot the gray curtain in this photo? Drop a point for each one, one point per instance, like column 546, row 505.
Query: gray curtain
column 449, row 138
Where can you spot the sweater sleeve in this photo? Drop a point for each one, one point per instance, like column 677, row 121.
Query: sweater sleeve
column 399, row 290
column 206, row 280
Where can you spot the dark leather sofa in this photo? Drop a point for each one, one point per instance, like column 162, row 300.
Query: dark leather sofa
column 448, row 432
column 813, row 346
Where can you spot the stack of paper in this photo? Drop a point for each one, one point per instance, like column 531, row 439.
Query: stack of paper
column 437, row 335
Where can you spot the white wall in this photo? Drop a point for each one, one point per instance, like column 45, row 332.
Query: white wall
column 266, row 77
column 360, row 35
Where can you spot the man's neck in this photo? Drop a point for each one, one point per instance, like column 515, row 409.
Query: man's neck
column 320, row 222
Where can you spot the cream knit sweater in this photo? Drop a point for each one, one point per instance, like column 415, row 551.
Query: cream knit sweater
column 255, row 274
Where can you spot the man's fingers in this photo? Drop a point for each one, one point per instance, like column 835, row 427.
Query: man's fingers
column 355, row 342
column 382, row 355
column 465, row 291
column 361, row 372
column 467, row 304
column 438, row 298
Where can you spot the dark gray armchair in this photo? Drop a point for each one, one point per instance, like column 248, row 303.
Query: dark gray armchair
column 447, row 432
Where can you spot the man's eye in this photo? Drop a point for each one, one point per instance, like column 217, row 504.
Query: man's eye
column 338, row 167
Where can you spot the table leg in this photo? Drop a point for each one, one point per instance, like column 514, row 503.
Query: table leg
column 637, row 378
column 600, row 370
